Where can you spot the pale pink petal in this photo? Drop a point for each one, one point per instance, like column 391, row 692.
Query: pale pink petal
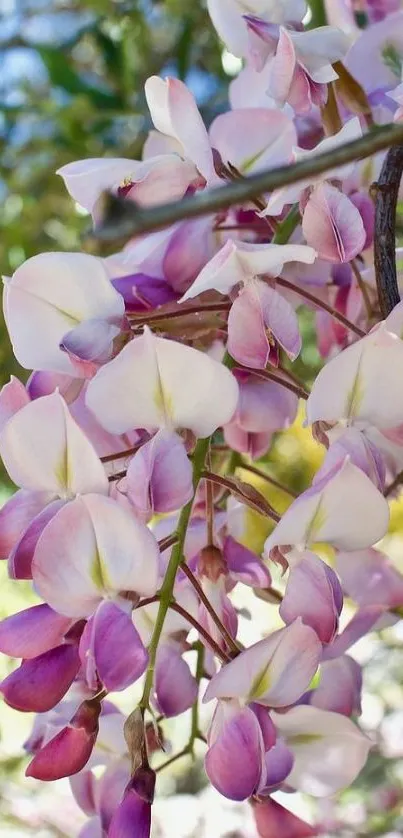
column 43, row 449
column 329, row 750
column 13, row 396
column 313, row 593
column 317, row 49
column 333, row 225
column 339, row 687
column 343, row 509
column 50, row 294
column 239, row 261
column 361, row 384
column 191, row 246
column 282, row 68
column 274, row 672
column 270, row 144
column 143, row 388
column 245, row 566
column 20, row 558
column 370, row 578
column 110, row 552
column 248, row 342
column 85, row 180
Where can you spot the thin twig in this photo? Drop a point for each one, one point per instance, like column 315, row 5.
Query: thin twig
column 182, row 311
column 264, row 476
column 117, row 476
column 386, row 192
column 208, row 606
column 123, row 219
column 271, row 376
column 109, row 458
column 174, row 606
column 285, row 283
column 167, row 542
column 250, row 496
column 362, row 286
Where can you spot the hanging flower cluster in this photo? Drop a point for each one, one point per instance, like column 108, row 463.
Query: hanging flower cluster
column 160, row 370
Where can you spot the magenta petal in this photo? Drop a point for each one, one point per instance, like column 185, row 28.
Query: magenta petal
column 41, row 682
column 273, row 820
column 69, row 751
column 32, row 631
column 111, row 649
column 175, row 687
column 17, row 514
column 244, row 565
column 333, row 225
column 233, row 762
column 132, row 818
column 20, row 560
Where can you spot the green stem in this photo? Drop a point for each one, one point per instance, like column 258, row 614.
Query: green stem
column 286, row 227
column 318, row 14
column 172, row 569
column 194, row 730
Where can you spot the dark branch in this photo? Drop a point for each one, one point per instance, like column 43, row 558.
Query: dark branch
column 386, row 190
column 123, row 219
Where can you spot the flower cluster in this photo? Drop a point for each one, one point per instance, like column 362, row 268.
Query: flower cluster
column 160, row 370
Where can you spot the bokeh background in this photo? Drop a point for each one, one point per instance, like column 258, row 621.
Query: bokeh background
column 72, row 75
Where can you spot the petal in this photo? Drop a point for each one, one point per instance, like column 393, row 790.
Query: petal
column 273, row 820
column 263, row 405
column 238, row 261
column 153, row 396
column 175, row 687
column 135, row 808
column 238, row 743
column 20, row 559
column 111, row 647
column 41, row 682
column 279, row 762
column 160, row 478
column 364, row 620
column 280, row 318
column 110, row 552
column 248, row 342
column 191, row 246
column 91, row 340
column 370, row 578
column 313, row 593
column 43, row 449
column 85, row 180
column 329, row 750
column 174, row 112
column 32, row 631
column 50, row 294
column 343, row 509
column 17, row 514
column 245, row 566
column 274, row 672
column 282, row 69
column 340, row 686
column 333, row 225
column 270, row 144
column 368, row 376
column 68, row 751
column 13, row 396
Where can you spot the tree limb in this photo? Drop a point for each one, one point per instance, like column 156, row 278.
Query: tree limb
column 123, row 219
column 386, row 192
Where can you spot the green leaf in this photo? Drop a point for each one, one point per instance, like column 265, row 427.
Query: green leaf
column 61, row 74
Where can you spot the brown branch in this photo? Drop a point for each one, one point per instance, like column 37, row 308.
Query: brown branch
column 264, row 476
column 123, row 219
column 109, row 458
column 208, row 606
column 271, row 376
column 245, row 493
column 285, row 283
column 174, row 606
column 386, row 194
